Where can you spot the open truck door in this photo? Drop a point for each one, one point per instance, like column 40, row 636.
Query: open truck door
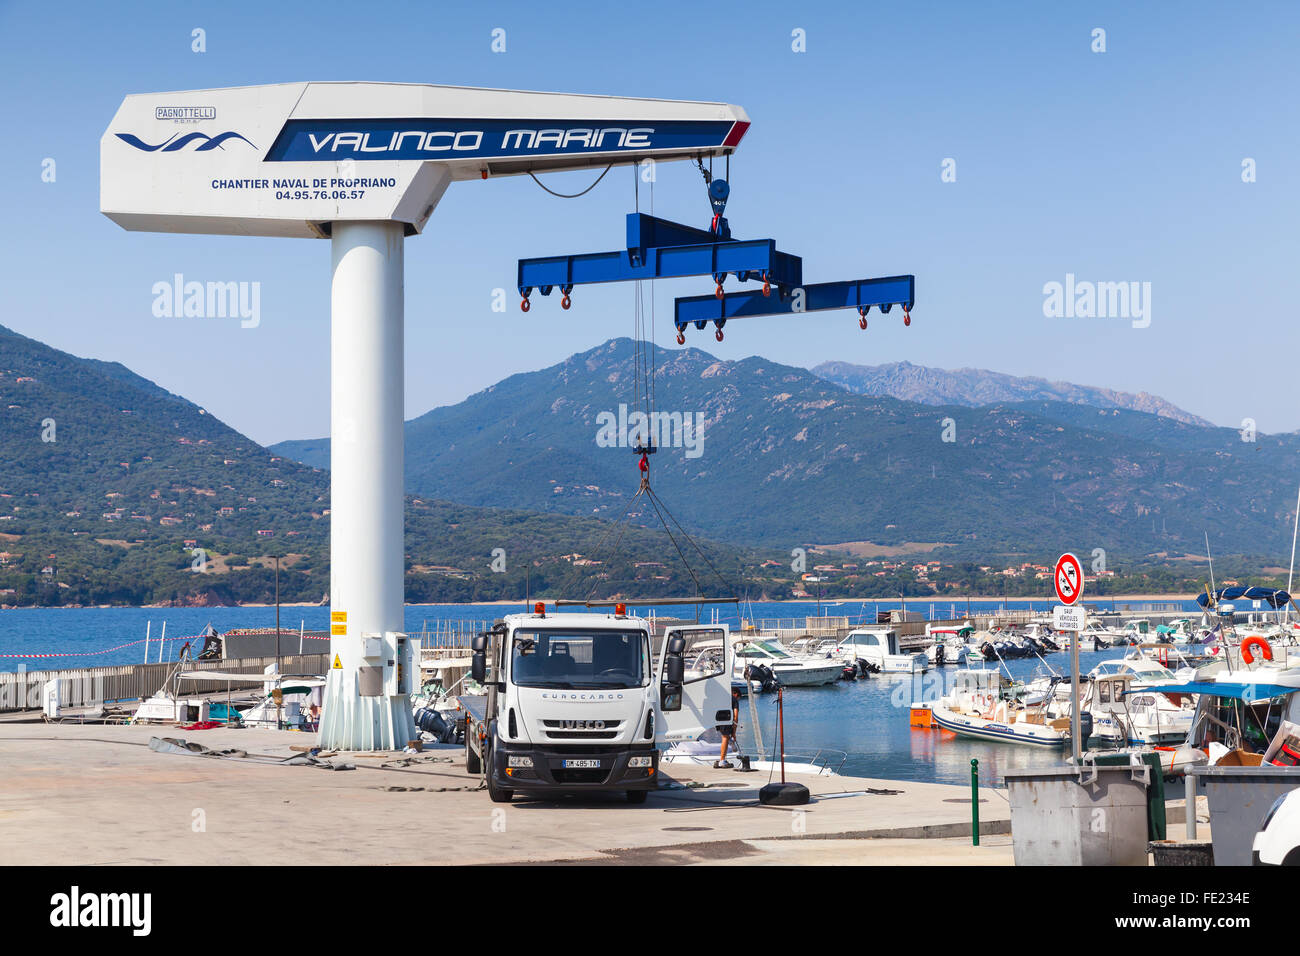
column 701, row 699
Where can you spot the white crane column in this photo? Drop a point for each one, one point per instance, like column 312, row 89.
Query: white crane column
column 367, row 551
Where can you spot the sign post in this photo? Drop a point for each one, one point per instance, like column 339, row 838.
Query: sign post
column 1068, row 580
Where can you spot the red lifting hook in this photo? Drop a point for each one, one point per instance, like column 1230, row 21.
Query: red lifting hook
column 767, row 286
column 718, row 335
column 681, row 337
column 907, row 319
column 524, row 305
column 718, row 291
column 565, row 301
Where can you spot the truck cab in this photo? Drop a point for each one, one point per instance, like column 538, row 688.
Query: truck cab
column 579, row 701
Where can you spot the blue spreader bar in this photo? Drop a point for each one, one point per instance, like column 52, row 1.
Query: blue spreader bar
column 817, row 297
column 659, row 249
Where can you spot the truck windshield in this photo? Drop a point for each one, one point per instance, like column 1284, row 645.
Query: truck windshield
column 580, row 659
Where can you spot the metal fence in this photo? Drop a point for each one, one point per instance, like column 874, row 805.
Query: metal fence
column 84, row 686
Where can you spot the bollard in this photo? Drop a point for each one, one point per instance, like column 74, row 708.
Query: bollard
column 974, row 802
column 1189, row 805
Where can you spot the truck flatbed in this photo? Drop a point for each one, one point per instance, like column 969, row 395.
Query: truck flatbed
column 475, row 706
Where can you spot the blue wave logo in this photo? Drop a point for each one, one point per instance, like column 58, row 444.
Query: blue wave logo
column 178, row 141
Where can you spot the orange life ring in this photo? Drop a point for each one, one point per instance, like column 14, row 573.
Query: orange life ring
column 1259, row 642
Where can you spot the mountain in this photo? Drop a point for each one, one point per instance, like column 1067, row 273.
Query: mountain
column 974, row 387
column 114, row 490
column 788, row 458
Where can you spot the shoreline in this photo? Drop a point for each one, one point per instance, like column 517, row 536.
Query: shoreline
column 825, row 602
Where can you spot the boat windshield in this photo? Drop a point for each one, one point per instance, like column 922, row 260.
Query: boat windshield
column 761, row 649
column 577, row 659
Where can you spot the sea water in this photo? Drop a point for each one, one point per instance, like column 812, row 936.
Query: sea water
column 860, row 727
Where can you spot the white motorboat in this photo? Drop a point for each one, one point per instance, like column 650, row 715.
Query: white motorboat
column 1096, row 636
column 1144, row 671
column 952, row 644
column 878, row 646
column 1122, row 716
column 982, row 706
column 789, row 670
column 705, row 750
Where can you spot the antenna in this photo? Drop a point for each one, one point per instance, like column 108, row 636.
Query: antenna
column 1211, row 560
column 1294, row 531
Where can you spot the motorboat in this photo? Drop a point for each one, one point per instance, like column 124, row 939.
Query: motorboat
column 1243, row 718
column 787, row 669
column 984, row 706
column 952, row 644
column 878, row 646
column 1122, row 716
column 1144, row 671
column 1096, row 636
column 705, row 750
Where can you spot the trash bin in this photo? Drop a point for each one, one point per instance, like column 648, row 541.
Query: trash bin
column 1239, row 797
column 1094, row 815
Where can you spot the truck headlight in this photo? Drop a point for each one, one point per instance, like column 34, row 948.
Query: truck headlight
column 646, row 761
column 513, row 761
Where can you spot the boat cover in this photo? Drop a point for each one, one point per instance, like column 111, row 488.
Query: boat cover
column 1274, row 597
column 1243, row 691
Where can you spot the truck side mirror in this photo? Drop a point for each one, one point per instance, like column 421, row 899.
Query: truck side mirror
column 478, row 658
column 674, row 666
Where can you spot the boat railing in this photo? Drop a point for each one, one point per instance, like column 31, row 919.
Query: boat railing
column 826, row 759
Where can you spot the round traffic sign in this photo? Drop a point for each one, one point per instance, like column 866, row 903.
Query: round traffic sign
column 1068, row 578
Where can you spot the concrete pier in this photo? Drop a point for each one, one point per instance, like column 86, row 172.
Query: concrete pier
column 98, row 795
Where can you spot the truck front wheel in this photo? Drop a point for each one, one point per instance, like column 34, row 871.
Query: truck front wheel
column 637, row 796
column 498, row 794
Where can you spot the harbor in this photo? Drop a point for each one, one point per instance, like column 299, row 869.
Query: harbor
column 676, row 440
column 879, row 779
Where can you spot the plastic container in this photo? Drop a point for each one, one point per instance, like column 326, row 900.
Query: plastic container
column 1091, row 816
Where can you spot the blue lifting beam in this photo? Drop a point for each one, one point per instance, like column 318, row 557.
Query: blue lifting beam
column 860, row 294
column 660, row 249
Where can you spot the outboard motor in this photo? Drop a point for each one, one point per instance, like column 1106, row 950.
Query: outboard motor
column 849, row 672
column 429, row 720
column 1085, row 728
column 940, row 653
column 763, row 675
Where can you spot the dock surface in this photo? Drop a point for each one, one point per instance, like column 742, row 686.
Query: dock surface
column 98, row 795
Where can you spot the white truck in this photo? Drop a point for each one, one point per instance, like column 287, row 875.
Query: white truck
column 578, row 701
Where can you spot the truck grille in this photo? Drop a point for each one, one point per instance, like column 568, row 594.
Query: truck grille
column 581, row 729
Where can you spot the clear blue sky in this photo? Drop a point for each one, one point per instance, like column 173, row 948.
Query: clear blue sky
column 1115, row 166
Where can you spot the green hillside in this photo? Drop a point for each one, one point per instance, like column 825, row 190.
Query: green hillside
column 790, row 459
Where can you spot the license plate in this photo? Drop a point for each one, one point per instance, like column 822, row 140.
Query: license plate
column 582, row 765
